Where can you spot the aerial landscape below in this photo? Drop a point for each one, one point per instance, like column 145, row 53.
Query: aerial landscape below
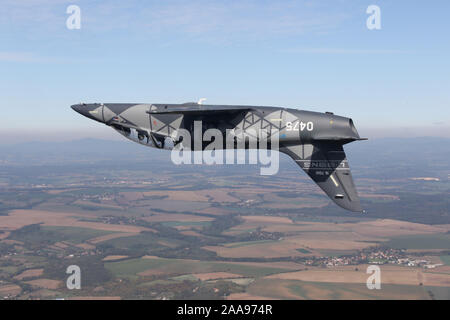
column 141, row 227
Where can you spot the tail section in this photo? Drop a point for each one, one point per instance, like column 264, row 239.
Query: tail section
column 326, row 163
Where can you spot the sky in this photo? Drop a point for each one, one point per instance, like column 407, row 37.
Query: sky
column 313, row 55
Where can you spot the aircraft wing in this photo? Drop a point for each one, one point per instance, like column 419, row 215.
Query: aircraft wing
column 326, row 163
column 195, row 108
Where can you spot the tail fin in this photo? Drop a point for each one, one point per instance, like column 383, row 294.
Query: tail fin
column 326, row 163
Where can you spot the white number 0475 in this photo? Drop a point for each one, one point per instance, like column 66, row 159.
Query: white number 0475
column 299, row 126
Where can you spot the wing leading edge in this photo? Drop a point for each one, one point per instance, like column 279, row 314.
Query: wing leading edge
column 326, row 163
column 195, row 108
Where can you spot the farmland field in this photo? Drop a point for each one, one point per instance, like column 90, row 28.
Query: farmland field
column 435, row 241
column 207, row 232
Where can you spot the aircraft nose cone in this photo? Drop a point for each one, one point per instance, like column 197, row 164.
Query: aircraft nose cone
column 91, row 111
column 78, row 108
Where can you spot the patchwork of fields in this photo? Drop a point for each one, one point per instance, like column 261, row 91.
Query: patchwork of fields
column 154, row 236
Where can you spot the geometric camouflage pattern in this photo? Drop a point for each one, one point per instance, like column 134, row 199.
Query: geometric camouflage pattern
column 313, row 140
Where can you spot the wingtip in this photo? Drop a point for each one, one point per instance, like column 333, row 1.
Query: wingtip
column 353, row 206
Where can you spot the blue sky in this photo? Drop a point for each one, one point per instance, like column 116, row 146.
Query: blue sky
column 314, row 55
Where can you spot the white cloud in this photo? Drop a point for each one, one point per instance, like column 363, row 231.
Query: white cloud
column 25, row 57
column 201, row 19
column 243, row 18
column 341, row 51
column 16, row 57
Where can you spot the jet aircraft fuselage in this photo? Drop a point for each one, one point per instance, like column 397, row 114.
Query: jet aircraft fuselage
column 314, row 140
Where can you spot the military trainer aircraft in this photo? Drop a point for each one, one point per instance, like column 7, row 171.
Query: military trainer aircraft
column 314, row 140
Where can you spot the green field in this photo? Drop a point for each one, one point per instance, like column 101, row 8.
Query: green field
column 248, row 243
column 37, row 234
column 422, row 241
column 336, row 253
column 177, row 205
column 445, row 260
column 75, row 234
column 186, row 223
column 338, row 291
column 11, row 270
column 179, row 267
column 283, row 289
column 144, row 240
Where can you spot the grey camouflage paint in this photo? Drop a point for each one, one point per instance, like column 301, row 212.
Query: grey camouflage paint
column 319, row 151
